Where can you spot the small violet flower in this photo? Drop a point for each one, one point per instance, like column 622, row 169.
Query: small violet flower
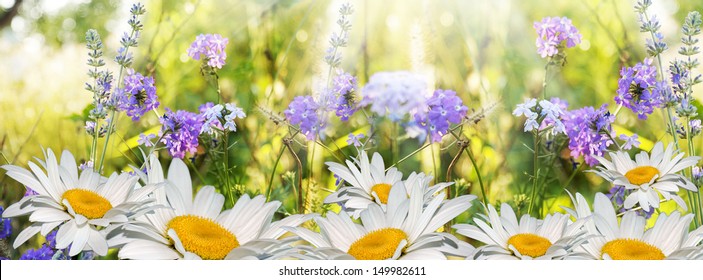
column 354, row 139
column 445, row 108
column 146, row 140
column 211, row 48
column 630, row 141
column 303, row 111
column 552, row 32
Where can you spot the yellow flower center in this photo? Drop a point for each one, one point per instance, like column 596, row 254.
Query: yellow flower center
column 382, row 190
column 641, row 175
column 631, row 249
column 203, row 237
column 529, row 244
column 87, row 203
column 377, row 245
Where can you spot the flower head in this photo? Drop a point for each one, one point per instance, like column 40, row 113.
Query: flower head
column 83, row 208
column 395, row 94
column 588, row 130
column 638, row 90
column 552, row 32
column 210, row 48
column 445, row 108
column 405, row 229
column 649, row 176
column 303, row 111
column 344, row 86
column 180, row 131
column 355, row 139
column 529, row 238
column 138, row 95
column 195, row 227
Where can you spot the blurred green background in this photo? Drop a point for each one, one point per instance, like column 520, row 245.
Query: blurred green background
column 484, row 50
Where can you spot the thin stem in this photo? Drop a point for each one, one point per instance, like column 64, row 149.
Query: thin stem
column 225, row 147
column 478, row 175
column 270, row 186
column 535, row 172
column 408, row 156
column 300, row 175
column 698, row 220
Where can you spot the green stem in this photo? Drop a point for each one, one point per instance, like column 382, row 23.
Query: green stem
column 270, row 186
column 225, row 147
column 478, row 174
column 535, row 172
column 698, row 210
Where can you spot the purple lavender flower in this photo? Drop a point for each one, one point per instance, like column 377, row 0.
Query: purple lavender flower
column 180, row 131
column 303, row 111
column 344, row 87
column 588, row 130
column 395, row 94
column 445, row 108
column 638, row 89
column 43, row 253
column 6, row 228
column 146, row 140
column 211, row 48
column 138, row 95
column 354, row 139
column 552, row 32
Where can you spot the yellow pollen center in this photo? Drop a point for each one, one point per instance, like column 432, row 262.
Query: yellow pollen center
column 631, row 249
column 203, row 237
column 382, row 190
column 87, row 203
column 641, row 175
column 529, row 244
column 377, row 245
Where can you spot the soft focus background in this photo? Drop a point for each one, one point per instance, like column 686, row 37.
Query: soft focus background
column 484, row 50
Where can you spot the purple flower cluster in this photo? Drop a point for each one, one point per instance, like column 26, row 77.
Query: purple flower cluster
column 617, row 195
column 588, row 130
column 303, row 111
column 344, row 87
column 180, row 131
column 551, row 32
column 395, row 94
column 445, row 108
column 211, row 47
column 138, row 95
column 638, row 89
column 6, row 229
column 43, row 253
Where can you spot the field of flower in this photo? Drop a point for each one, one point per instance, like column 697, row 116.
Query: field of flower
column 358, row 129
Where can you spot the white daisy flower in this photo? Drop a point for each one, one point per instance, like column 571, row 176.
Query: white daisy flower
column 371, row 184
column 628, row 239
column 82, row 207
column 649, row 175
column 197, row 228
column 405, row 230
column 530, row 238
